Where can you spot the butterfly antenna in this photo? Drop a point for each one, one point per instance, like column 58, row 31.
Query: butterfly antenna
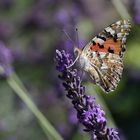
column 76, row 49
column 77, row 37
column 69, row 38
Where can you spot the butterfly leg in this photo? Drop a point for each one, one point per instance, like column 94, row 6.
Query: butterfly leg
column 97, row 76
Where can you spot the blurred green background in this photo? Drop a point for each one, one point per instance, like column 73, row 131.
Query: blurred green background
column 32, row 29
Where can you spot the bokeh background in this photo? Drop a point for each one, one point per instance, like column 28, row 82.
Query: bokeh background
column 33, row 30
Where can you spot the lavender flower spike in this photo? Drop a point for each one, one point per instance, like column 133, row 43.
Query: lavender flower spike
column 5, row 61
column 88, row 112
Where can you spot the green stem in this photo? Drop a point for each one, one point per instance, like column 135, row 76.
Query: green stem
column 20, row 90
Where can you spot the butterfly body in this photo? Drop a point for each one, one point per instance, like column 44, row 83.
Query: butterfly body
column 102, row 57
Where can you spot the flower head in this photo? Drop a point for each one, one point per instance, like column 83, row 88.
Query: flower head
column 89, row 113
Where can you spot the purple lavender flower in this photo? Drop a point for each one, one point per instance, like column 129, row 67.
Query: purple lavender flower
column 136, row 11
column 66, row 17
column 72, row 116
column 6, row 30
column 89, row 113
column 62, row 16
column 5, row 61
column 36, row 19
column 6, row 4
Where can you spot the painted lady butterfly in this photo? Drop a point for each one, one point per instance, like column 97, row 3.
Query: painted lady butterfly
column 102, row 57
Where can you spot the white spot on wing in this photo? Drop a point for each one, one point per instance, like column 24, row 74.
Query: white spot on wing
column 104, row 66
column 94, row 39
column 124, row 39
column 94, row 54
column 119, row 35
column 108, row 29
column 118, row 22
column 102, row 55
column 126, row 26
column 100, row 41
column 112, row 32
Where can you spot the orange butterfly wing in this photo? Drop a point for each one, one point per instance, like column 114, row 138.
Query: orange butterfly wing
column 102, row 58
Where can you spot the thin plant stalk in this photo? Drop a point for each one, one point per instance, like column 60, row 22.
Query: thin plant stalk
column 15, row 83
column 121, row 9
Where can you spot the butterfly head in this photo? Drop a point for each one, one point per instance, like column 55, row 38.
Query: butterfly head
column 77, row 51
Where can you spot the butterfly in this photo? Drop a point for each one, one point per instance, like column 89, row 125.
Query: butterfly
column 102, row 57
